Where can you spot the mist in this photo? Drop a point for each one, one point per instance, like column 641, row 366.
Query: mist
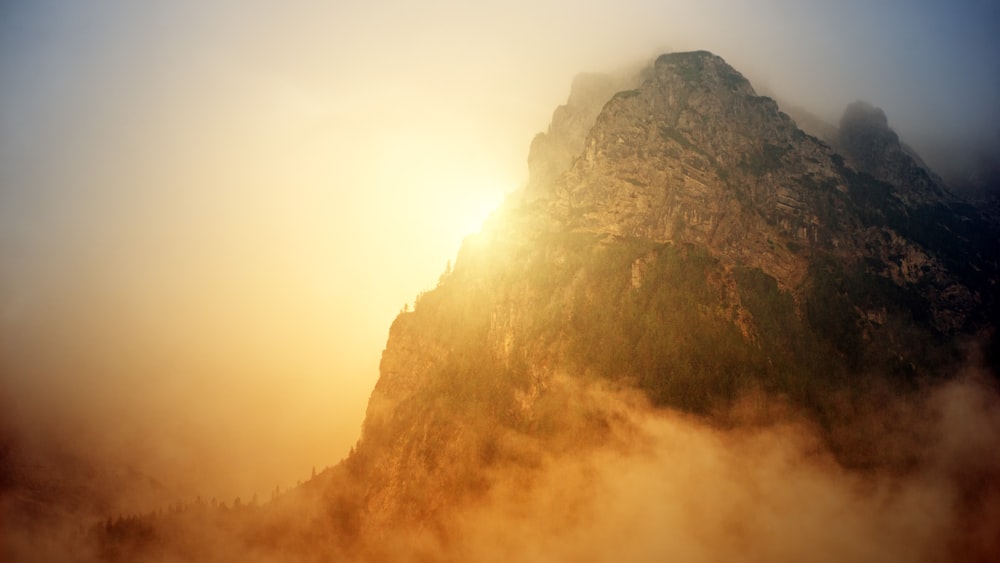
column 654, row 484
column 673, row 487
column 211, row 212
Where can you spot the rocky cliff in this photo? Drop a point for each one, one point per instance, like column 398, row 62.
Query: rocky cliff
column 689, row 241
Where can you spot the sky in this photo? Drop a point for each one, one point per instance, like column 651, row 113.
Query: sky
column 211, row 211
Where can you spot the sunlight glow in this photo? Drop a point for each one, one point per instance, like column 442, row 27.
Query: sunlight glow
column 218, row 208
column 469, row 212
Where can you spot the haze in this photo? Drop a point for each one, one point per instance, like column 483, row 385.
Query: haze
column 210, row 212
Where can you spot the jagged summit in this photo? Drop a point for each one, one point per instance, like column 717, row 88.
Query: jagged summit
column 693, row 155
column 553, row 152
column 707, row 69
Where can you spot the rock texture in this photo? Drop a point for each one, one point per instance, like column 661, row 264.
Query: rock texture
column 694, row 155
column 552, row 152
column 687, row 239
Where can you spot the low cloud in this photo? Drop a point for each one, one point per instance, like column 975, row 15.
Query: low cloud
column 652, row 485
column 683, row 489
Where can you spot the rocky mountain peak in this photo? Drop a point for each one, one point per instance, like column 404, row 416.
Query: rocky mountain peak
column 694, row 155
column 872, row 147
column 702, row 69
column 861, row 118
column 689, row 173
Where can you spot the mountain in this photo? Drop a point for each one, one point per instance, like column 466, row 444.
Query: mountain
column 699, row 247
column 684, row 266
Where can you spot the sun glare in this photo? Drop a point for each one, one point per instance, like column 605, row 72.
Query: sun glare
column 472, row 210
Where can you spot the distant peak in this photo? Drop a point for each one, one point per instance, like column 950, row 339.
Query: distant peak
column 871, row 146
column 863, row 114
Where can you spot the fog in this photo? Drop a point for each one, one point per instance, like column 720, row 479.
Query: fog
column 656, row 485
column 210, row 212
column 672, row 487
